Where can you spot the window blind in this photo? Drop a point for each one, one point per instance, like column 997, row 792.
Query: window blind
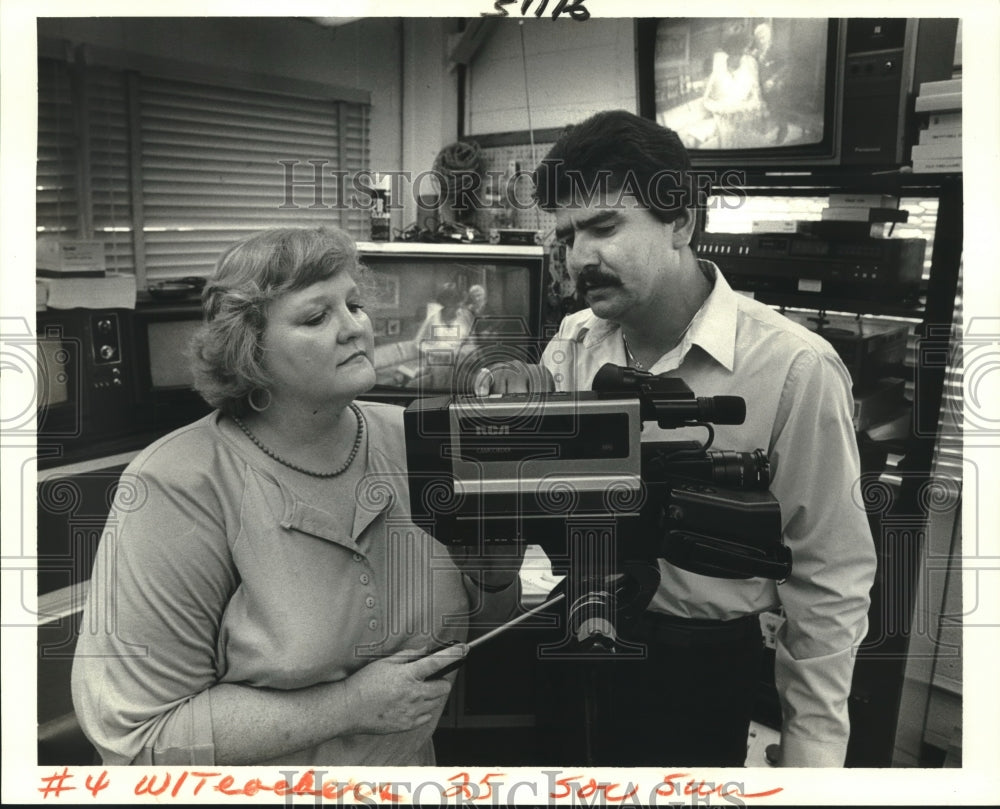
column 107, row 143
column 56, row 208
column 354, row 123
column 214, row 165
column 176, row 170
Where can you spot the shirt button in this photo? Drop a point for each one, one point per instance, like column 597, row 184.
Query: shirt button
column 364, row 578
column 373, row 624
column 370, row 602
column 357, row 557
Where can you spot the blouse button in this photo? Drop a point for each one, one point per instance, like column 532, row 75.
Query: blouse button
column 357, row 557
column 373, row 624
column 364, row 578
column 370, row 602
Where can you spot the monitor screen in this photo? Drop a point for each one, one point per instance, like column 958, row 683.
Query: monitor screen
column 52, row 381
column 169, row 356
column 433, row 316
column 732, row 83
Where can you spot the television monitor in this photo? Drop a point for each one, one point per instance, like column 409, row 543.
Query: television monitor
column 790, row 92
column 170, row 368
column 52, row 385
column 442, row 312
column 165, row 398
column 83, row 372
column 726, row 83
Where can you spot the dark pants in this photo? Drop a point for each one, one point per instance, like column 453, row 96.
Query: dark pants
column 688, row 703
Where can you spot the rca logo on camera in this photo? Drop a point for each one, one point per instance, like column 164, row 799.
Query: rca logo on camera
column 493, row 429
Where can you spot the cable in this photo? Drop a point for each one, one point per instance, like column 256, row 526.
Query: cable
column 527, row 96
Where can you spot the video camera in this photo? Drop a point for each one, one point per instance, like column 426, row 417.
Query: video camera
column 568, row 472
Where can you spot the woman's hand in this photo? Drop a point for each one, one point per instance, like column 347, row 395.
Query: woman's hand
column 393, row 695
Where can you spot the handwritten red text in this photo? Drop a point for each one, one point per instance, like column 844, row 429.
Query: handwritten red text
column 572, row 786
column 671, row 787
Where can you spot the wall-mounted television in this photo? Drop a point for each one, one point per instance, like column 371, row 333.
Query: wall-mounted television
column 442, row 312
column 790, row 92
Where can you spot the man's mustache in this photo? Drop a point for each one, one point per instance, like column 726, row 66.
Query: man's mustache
column 595, row 278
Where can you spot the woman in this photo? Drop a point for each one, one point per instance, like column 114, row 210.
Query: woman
column 732, row 94
column 440, row 339
column 475, row 300
column 261, row 596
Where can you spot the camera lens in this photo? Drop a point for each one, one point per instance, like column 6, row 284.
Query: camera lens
column 591, row 620
column 740, row 470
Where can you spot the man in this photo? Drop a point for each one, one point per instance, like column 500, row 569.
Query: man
column 655, row 307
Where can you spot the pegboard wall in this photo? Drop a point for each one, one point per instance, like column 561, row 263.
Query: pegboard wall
column 523, row 215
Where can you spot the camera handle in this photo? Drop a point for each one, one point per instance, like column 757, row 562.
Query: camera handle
column 711, row 556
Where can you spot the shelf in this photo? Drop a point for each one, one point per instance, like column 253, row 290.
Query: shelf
column 812, row 182
column 61, row 603
column 449, row 248
column 903, row 463
column 818, row 301
column 53, row 460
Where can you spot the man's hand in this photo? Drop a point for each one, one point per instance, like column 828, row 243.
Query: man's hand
column 513, row 376
column 492, row 575
column 495, row 566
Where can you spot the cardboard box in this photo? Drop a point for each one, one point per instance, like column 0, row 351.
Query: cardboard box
column 57, row 257
column 110, row 292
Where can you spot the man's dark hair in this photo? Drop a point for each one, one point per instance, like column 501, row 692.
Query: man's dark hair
column 616, row 151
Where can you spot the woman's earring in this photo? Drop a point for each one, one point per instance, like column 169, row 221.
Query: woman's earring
column 254, row 405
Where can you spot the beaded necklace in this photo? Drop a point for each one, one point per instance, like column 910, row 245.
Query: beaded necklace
column 343, row 468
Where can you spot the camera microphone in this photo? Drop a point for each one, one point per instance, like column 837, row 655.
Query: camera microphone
column 669, row 400
column 713, row 409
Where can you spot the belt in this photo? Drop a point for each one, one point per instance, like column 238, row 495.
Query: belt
column 677, row 631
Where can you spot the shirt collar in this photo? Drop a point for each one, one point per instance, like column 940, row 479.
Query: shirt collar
column 377, row 493
column 713, row 327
